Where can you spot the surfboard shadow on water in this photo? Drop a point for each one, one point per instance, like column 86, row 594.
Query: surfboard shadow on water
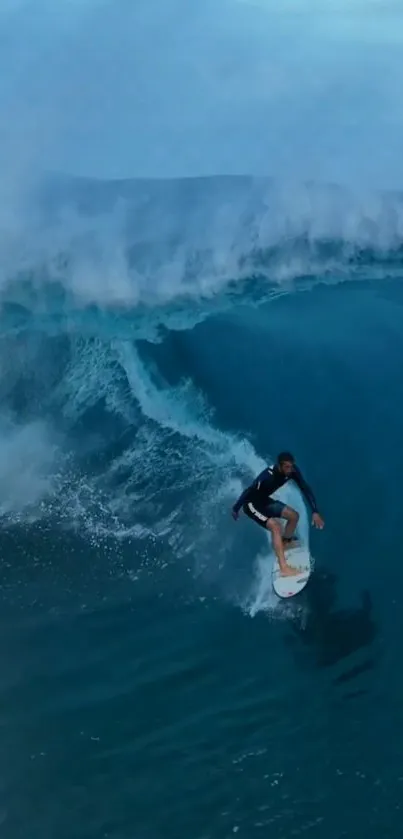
column 332, row 633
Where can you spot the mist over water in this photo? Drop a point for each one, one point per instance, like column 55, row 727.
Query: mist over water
column 230, row 87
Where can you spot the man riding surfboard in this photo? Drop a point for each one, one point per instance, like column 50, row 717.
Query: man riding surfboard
column 257, row 503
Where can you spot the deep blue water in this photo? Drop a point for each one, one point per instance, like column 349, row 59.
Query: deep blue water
column 151, row 686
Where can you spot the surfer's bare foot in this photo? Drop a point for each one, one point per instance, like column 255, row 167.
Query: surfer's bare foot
column 289, row 571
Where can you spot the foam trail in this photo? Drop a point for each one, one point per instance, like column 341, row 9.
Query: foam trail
column 174, row 410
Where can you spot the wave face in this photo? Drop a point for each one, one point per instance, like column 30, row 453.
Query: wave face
column 155, row 354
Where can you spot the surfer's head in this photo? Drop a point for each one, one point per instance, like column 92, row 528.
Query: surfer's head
column 286, row 462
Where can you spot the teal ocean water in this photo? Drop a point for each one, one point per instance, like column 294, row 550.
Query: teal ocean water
column 160, row 342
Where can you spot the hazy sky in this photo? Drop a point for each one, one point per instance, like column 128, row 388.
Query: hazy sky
column 186, row 87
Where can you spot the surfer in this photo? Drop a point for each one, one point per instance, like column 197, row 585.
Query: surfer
column 257, row 503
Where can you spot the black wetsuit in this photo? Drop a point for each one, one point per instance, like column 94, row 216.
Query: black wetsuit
column 256, row 500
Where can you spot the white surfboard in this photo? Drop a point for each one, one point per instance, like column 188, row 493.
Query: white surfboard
column 299, row 557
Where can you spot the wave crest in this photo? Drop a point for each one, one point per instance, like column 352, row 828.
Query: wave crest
column 163, row 247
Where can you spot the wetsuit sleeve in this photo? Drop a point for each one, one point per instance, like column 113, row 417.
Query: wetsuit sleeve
column 305, row 489
column 248, row 491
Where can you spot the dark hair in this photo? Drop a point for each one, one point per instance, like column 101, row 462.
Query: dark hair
column 285, row 457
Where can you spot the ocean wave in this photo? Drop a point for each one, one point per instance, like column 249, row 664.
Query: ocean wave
column 108, row 394
column 177, row 249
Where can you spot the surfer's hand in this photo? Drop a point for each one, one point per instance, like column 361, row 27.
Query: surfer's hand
column 234, row 514
column 318, row 521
